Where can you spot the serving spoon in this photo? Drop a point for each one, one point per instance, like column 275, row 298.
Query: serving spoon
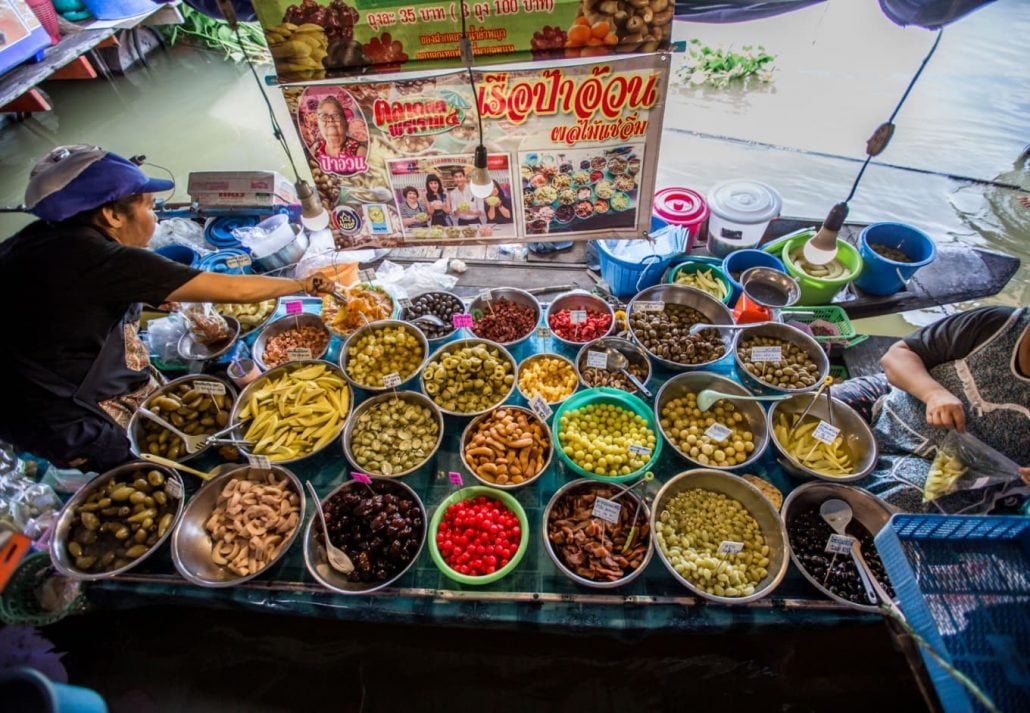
column 838, row 515
column 699, row 326
column 202, row 474
column 706, row 398
column 338, row 559
column 617, row 361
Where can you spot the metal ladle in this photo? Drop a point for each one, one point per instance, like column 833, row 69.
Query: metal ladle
column 338, row 559
column 706, row 398
column 617, row 361
column 838, row 515
column 202, row 474
column 698, row 326
column 431, row 319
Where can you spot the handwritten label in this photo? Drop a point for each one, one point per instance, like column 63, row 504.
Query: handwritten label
column 639, row 450
column 543, row 332
column 839, row 544
column 577, row 316
column 462, row 321
column 298, row 354
column 718, row 433
column 455, row 478
column 540, row 407
column 367, row 275
column 729, row 547
column 597, row 360
column 259, row 462
column 486, row 295
column 360, row 477
column 649, row 306
column 766, row 354
column 392, row 380
column 606, row 509
column 294, row 307
column 826, row 433
column 212, row 388
column 237, row 261
column 174, row 489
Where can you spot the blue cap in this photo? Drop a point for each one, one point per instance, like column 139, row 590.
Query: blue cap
column 73, row 179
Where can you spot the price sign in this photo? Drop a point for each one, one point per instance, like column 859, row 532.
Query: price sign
column 826, row 433
column 392, row 381
column 650, row 306
column 729, row 547
column 540, row 407
column 766, row 354
column 486, row 295
column 298, row 354
column 639, row 450
column 405, row 302
column 543, row 332
column 718, row 433
column 606, row 510
column 212, row 388
column 839, row 544
column 455, row 478
column 173, row 489
column 367, row 275
column 597, row 360
column 294, row 307
column 577, row 316
column 361, row 478
column 237, row 261
column 462, row 321
column 259, row 462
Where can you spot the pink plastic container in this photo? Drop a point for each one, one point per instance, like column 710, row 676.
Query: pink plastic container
column 680, row 206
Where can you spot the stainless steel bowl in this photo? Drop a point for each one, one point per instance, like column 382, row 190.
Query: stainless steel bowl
column 245, row 331
column 788, row 334
column 314, row 546
column 784, row 287
column 360, row 332
column 857, row 435
column 693, row 382
column 240, row 428
column 754, row 502
column 63, row 560
column 285, row 324
column 871, row 512
column 192, row 350
column 437, row 340
column 411, row 397
column 559, row 357
column 633, row 352
column 287, row 255
column 629, row 500
column 575, row 300
column 135, row 428
column 191, row 544
column 512, row 294
column 715, row 312
column 470, row 429
column 460, row 344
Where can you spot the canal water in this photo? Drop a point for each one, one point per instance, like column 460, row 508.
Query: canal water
column 840, row 69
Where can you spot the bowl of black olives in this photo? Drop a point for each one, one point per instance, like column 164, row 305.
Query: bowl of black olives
column 442, row 305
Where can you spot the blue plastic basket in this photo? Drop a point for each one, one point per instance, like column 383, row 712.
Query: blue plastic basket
column 963, row 583
column 625, row 277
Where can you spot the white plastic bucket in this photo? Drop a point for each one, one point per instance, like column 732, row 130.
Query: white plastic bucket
column 740, row 213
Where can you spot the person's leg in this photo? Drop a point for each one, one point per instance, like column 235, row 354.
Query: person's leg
column 862, row 392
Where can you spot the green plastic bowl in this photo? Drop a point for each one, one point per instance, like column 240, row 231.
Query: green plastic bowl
column 689, row 268
column 470, row 493
column 605, row 395
column 816, row 290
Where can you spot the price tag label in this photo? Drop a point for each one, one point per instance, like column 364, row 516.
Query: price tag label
column 212, row 388
column 577, row 316
column 360, row 477
column 606, row 510
column 839, row 544
column 597, row 360
column 294, row 307
column 486, row 295
column 729, row 547
column 462, row 321
column 405, row 302
column 718, row 433
column 650, row 306
column 455, row 478
column 237, row 261
column 259, row 462
column 540, row 407
column 298, row 354
column 392, row 380
column 367, row 275
column 826, row 433
column 173, row 489
column 543, row 332
column 766, row 354
column 639, row 450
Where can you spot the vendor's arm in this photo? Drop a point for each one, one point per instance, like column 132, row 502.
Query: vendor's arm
column 215, row 287
column 907, row 371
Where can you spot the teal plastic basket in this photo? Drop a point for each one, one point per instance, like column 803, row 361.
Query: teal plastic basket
column 692, row 266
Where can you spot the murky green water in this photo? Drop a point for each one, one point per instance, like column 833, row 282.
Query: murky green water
column 840, row 69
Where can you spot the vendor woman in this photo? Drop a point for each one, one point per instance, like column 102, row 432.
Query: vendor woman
column 72, row 285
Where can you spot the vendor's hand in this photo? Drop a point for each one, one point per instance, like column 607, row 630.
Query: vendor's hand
column 316, row 285
column 944, row 410
column 1024, row 473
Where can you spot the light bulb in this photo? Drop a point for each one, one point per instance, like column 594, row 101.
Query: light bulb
column 822, row 249
column 480, row 182
column 313, row 214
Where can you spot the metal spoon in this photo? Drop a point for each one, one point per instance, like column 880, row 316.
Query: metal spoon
column 338, row 559
column 430, row 319
column 698, row 326
column 706, row 398
column 192, row 443
column 325, row 286
column 617, row 361
column 815, row 397
column 838, row 514
column 202, row 474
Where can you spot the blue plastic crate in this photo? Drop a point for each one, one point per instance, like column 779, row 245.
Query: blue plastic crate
column 963, row 583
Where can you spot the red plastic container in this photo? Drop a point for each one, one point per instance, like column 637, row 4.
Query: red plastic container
column 683, row 207
column 47, row 16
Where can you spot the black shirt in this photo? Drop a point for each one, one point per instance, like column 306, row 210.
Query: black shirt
column 957, row 335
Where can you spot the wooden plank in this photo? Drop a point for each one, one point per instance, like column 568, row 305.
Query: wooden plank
column 487, row 274
column 24, row 77
column 28, row 103
column 864, row 359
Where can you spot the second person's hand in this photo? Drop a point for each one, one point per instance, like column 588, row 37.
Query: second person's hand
column 945, row 410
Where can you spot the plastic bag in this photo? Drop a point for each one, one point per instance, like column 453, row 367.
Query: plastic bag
column 25, row 505
column 205, row 323
column 180, row 231
column 163, row 337
column 416, row 279
column 965, row 463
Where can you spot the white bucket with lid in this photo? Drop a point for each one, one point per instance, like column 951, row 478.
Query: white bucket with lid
column 740, row 213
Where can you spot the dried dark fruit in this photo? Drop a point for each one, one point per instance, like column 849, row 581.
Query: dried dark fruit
column 547, row 43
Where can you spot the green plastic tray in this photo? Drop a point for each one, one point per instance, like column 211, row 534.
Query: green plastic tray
column 827, row 313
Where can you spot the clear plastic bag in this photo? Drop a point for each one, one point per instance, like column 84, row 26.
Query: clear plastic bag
column 965, row 464
column 163, row 336
column 416, row 279
column 205, row 323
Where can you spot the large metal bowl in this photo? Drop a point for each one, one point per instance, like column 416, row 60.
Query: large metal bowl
column 135, row 429
column 714, row 311
column 546, row 355
column 314, row 545
column 633, row 352
column 575, row 300
column 754, row 502
column 629, row 500
column 239, row 429
column 460, row 344
column 693, row 382
column 407, row 317
column 63, row 560
column 407, row 397
column 470, row 429
column 192, row 350
column 788, row 334
column 191, row 543
column 857, row 434
column 285, row 324
column 871, row 512
column 512, row 294
column 360, row 332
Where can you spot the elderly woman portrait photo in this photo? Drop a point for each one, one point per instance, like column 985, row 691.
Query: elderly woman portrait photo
column 333, row 123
